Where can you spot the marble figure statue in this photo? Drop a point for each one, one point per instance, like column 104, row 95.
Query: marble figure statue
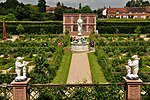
column 20, row 68
column 135, row 64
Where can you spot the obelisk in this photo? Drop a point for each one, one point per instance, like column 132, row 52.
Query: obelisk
column 4, row 31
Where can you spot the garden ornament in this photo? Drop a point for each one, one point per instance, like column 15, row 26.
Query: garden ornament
column 79, row 23
column 20, row 68
column 135, row 64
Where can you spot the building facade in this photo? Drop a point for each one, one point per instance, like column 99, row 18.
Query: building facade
column 128, row 12
column 70, row 23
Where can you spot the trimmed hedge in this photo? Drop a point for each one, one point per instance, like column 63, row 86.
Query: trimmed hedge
column 125, row 27
column 34, row 27
column 126, row 48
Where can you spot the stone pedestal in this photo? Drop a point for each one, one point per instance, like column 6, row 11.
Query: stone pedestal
column 20, row 90
column 132, row 88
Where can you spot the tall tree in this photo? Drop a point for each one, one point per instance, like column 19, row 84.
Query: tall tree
column 42, row 5
column 11, row 4
column 137, row 3
column 80, row 6
column 86, row 9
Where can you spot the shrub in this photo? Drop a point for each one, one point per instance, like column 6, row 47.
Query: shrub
column 19, row 28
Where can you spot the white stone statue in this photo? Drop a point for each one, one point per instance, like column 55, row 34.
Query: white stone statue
column 135, row 64
column 79, row 23
column 20, row 68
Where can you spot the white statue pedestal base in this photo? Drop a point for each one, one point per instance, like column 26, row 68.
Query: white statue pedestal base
column 20, row 90
column 132, row 88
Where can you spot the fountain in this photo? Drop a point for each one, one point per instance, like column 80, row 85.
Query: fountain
column 79, row 44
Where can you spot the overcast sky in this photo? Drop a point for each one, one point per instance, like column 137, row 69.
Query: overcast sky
column 94, row 4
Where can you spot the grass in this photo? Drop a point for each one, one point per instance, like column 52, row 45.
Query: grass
column 96, row 70
column 62, row 74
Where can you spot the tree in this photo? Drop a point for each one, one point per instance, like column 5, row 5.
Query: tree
column 137, row 3
column 137, row 30
column 80, row 6
column 42, row 5
column 20, row 14
column 10, row 17
column 2, row 11
column 145, row 3
column 20, row 28
column 11, row 4
column 59, row 13
column 86, row 9
column 117, row 31
column 129, row 54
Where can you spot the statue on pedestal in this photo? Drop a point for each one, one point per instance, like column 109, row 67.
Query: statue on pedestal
column 20, row 68
column 135, row 64
column 79, row 23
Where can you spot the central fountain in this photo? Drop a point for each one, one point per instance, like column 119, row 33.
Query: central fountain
column 79, row 44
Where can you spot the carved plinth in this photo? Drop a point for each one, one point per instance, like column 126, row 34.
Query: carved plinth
column 132, row 89
column 20, row 90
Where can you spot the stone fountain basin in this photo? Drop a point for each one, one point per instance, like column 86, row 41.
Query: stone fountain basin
column 76, row 46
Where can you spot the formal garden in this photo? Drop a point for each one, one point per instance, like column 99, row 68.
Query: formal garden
column 48, row 62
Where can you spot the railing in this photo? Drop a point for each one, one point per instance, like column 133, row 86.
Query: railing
column 76, row 91
column 6, row 92
column 105, row 91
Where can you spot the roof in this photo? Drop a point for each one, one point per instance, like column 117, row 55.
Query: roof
column 137, row 9
column 114, row 10
column 148, row 9
column 128, row 10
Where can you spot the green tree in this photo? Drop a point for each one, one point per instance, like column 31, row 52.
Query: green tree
column 41, row 31
column 20, row 13
column 86, row 9
column 2, row 11
column 137, row 3
column 20, row 28
column 35, row 14
column 137, row 30
column 145, row 3
column 11, row 4
column 117, row 31
column 42, row 5
column 10, row 17
column 129, row 54
column 59, row 13
column 80, row 6
column 99, row 13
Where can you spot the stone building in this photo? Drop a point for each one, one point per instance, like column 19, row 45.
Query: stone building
column 70, row 23
column 128, row 12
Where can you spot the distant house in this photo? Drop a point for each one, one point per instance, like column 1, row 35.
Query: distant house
column 128, row 12
column 58, row 5
column 50, row 9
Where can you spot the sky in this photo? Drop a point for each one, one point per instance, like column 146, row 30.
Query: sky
column 94, row 4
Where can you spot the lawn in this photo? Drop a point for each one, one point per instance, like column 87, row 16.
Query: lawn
column 62, row 74
column 96, row 70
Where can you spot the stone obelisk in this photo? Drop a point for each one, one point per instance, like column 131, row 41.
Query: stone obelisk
column 4, row 31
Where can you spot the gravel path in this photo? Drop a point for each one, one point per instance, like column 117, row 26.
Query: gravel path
column 79, row 69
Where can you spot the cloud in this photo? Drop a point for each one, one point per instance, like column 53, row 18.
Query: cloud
column 95, row 4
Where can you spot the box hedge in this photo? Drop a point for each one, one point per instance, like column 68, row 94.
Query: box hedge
column 34, row 26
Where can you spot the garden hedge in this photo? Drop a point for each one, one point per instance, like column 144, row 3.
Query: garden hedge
column 125, row 27
column 34, row 27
